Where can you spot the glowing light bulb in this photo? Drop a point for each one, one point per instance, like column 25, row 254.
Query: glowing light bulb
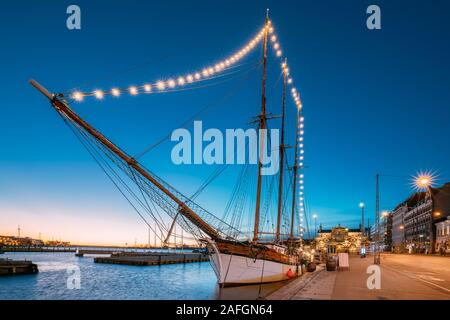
column 78, row 96
column 171, row 83
column 147, row 88
column 99, row 94
column 181, row 81
column 205, row 72
column 190, row 78
column 133, row 91
column 279, row 53
column 290, row 80
column 274, row 38
column 276, row 46
column 197, row 76
column 160, row 85
column 115, row 92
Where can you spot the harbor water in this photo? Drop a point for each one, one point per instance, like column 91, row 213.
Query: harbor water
column 190, row 281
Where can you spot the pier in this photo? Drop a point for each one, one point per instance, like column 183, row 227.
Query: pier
column 151, row 259
column 36, row 249
column 81, row 253
column 11, row 267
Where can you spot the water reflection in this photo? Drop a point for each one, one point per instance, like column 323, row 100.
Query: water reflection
column 191, row 281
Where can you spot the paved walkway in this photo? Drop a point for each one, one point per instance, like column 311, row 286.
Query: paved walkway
column 401, row 278
column 316, row 285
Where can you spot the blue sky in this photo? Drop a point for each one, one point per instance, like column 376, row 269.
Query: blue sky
column 374, row 101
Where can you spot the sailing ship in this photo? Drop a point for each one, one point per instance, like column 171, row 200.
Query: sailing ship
column 236, row 261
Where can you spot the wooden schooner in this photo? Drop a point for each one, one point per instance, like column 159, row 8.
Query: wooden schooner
column 235, row 261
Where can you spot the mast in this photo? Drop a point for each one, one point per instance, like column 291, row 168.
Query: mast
column 294, row 186
column 262, row 125
column 63, row 108
column 280, row 186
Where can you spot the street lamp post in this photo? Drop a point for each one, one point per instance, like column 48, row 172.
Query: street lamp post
column 363, row 246
column 315, row 224
column 424, row 182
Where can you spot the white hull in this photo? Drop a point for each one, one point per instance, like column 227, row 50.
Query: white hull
column 240, row 270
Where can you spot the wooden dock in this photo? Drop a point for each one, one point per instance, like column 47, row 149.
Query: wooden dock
column 37, row 249
column 151, row 259
column 12, row 267
column 81, row 253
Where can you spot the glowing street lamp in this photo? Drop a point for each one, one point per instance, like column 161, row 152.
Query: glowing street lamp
column 363, row 249
column 361, row 205
column 315, row 224
column 423, row 182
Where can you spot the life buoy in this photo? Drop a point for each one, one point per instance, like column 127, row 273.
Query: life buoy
column 290, row 274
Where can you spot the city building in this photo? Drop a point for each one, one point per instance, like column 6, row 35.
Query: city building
column 338, row 239
column 424, row 210
column 443, row 236
column 398, row 228
column 22, row 241
column 15, row 241
column 383, row 237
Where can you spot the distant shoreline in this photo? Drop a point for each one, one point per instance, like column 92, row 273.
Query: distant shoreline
column 73, row 248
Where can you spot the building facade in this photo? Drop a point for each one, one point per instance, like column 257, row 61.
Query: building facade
column 337, row 240
column 398, row 228
column 16, row 241
column 419, row 225
column 443, row 236
column 381, row 235
column 420, row 215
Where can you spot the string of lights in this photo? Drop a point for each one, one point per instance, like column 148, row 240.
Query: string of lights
column 274, row 40
column 171, row 83
column 223, row 68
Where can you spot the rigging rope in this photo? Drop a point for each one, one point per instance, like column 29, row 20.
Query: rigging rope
column 207, row 108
